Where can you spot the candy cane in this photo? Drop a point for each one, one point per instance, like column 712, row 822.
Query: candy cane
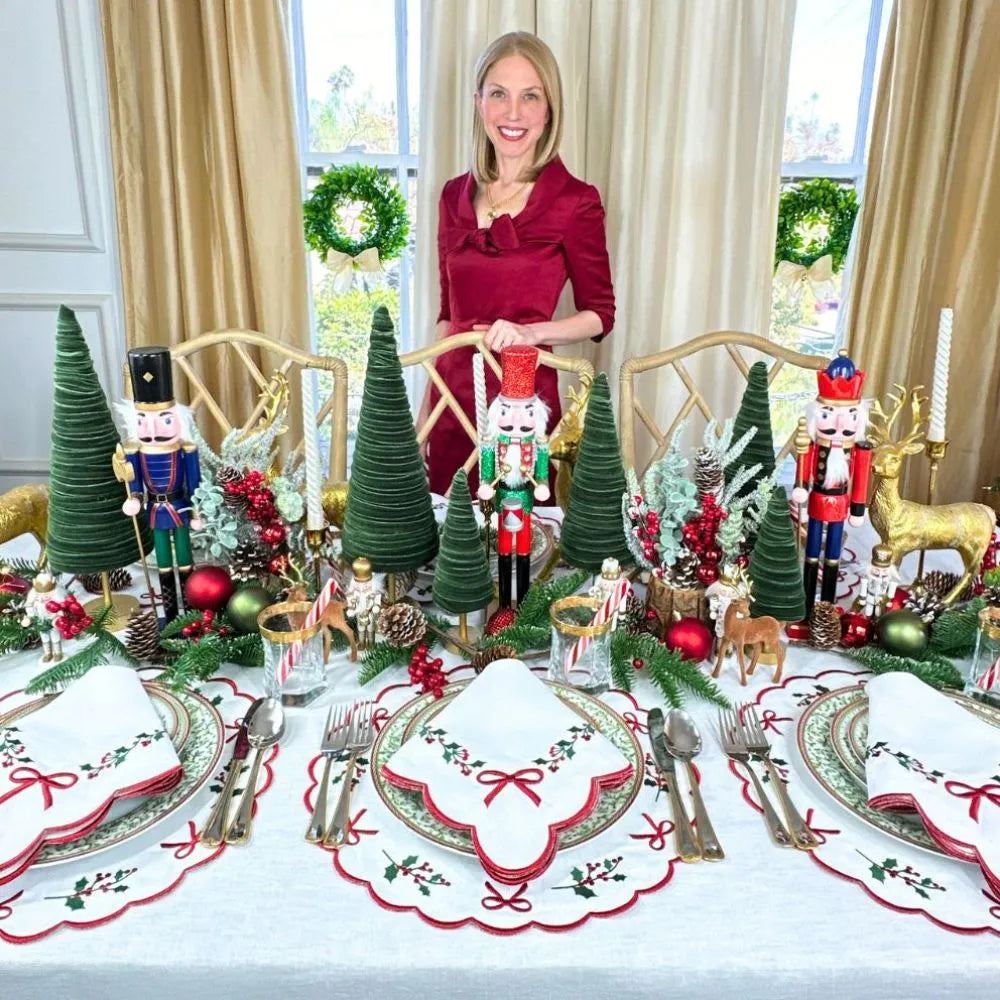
column 604, row 613
column 992, row 675
column 292, row 654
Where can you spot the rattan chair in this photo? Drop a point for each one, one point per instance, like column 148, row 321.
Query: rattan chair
column 731, row 341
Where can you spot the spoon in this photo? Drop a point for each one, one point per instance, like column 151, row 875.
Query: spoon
column 267, row 726
column 683, row 741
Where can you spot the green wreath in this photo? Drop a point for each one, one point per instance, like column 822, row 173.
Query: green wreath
column 384, row 223
column 817, row 201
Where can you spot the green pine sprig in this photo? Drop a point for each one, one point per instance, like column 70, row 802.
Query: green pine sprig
column 13, row 635
column 933, row 668
column 954, row 633
column 383, row 655
column 522, row 637
column 199, row 661
column 176, row 626
column 27, row 569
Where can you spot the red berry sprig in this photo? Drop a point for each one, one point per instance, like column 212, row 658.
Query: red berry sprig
column 645, row 528
column 206, row 625
column 71, row 619
column 426, row 672
column 699, row 534
column 261, row 509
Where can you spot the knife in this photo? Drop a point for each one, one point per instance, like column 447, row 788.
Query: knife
column 687, row 846
column 215, row 829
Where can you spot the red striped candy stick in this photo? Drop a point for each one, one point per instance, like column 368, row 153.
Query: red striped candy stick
column 610, row 607
column 291, row 655
column 992, row 675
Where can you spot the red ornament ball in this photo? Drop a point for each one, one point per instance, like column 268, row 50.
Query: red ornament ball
column 638, row 663
column 898, row 599
column 11, row 584
column 690, row 637
column 208, row 587
column 856, row 630
column 708, row 574
column 500, row 619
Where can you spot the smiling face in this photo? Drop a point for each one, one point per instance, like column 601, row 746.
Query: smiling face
column 159, row 427
column 513, row 106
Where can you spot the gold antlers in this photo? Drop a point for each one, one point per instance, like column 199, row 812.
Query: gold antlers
column 881, row 423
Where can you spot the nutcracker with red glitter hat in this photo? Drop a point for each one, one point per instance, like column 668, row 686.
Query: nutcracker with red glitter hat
column 833, row 473
column 514, row 463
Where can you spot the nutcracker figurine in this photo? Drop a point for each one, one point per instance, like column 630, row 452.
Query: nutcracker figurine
column 836, row 467
column 514, row 464
column 164, row 466
column 45, row 591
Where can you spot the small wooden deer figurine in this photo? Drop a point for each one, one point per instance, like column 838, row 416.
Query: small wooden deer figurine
column 763, row 634
column 905, row 526
column 334, row 617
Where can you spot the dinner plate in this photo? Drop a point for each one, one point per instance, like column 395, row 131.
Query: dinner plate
column 409, row 808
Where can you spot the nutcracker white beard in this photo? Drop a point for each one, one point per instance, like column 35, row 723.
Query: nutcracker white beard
column 510, row 454
column 837, row 468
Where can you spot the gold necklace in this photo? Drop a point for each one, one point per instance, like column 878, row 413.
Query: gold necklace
column 496, row 206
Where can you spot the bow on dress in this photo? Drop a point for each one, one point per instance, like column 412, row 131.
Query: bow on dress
column 500, row 236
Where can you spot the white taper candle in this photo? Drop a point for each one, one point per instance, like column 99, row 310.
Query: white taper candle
column 479, row 383
column 315, row 520
column 939, row 392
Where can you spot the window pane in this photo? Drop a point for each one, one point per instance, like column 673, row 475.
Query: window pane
column 824, row 83
column 413, row 71
column 351, row 75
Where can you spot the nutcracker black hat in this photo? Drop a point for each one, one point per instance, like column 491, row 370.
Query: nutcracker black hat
column 152, row 378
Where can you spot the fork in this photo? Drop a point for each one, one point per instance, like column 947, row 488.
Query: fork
column 757, row 743
column 362, row 735
column 734, row 746
column 335, row 734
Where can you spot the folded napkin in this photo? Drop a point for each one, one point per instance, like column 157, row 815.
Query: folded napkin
column 66, row 764
column 508, row 761
column 927, row 754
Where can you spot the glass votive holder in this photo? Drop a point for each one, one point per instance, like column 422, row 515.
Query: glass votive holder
column 588, row 666
column 984, row 677
column 287, row 641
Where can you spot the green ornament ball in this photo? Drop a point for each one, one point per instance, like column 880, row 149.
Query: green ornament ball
column 902, row 633
column 245, row 605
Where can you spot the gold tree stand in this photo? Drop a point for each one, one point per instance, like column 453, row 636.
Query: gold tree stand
column 123, row 606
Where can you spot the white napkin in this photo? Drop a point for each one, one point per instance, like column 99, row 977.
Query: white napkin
column 513, row 764
column 100, row 740
column 927, row 754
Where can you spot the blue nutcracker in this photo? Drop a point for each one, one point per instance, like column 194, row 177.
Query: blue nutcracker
column 165, row 470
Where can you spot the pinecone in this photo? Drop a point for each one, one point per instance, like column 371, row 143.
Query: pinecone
column 708, row 473
column 404, row 584
column 248, row 562
column 483, row 657
column 142, row 639
column 402, row 624
column 938, row 582
column 633, row 619
column 118, row 579
column 925, row 603
column 824, row 625
column 683, row 575
column 227, row 475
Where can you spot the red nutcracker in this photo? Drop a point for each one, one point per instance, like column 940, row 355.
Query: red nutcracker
column 836, row 469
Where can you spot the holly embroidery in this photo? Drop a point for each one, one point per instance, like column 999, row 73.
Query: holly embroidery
column 454, row 753
column 102, row 882
column 920, row 884
column 118, row 756
column 12, row 748
column 781, row 766
column 360, row 768
column 565, row 749
column 422, row 875
column 903, row 759
column 597, row 871
column 804, row 700
column 220, row 778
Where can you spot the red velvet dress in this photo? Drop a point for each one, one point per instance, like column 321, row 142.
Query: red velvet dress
column 513, row 270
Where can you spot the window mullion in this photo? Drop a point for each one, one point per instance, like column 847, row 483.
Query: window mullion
column 867, row 89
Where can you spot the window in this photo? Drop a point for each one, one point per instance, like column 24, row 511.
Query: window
column 357, row 72
column 836, row 49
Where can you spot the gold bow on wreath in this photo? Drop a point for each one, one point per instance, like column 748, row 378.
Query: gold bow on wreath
column 819, row 275
column 342, row 266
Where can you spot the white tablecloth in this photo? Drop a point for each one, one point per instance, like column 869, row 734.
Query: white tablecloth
column 273, row 920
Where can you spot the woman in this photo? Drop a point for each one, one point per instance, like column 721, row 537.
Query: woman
column 510, row 234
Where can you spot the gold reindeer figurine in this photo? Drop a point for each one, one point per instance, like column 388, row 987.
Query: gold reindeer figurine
column 565, row 443
column 906, row 526
column 23, row 510
column 739, row 630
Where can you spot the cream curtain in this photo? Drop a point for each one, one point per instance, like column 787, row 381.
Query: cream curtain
column 929, row 231
column 675, row 111
column 206, row 177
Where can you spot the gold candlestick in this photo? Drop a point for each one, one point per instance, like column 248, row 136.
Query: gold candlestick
column 486, row 506
column 935, row 451
column 315, row 539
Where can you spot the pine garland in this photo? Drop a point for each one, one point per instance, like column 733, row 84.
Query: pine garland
column 933, row 669
column 521, row 637
column 664, row 667
column 13, row 635
column 383, row 656
column 197, row 661
column 954, row 633
column 27, row 569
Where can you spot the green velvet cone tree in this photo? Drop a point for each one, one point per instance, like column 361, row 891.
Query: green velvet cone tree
column 87, row 531
column 592, row 530
column 462, row 581
column 755, row 411
column 389, row 517
column 774, row 565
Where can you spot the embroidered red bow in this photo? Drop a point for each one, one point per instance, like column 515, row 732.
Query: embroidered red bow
column 963, row 791
column 658, row 838
column 25, row 777
column 770, row 718
column 497, row 902
column 522, row 779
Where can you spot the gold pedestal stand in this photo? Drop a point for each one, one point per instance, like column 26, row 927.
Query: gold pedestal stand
column 123, row 606
column 935, row 451
column 315, row 539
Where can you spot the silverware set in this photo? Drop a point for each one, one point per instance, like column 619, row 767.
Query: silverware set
column 744, row 741
column 350, row 728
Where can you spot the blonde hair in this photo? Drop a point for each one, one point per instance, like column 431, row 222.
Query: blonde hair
column 532, row 48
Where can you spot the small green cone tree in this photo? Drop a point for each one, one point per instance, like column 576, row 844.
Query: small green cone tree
column 87, row 531
column 462, row 581
column 755, row 411
column 774, row 565
column 592, row 530
column 389, row 517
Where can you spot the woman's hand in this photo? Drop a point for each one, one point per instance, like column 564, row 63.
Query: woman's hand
column 503, row 334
